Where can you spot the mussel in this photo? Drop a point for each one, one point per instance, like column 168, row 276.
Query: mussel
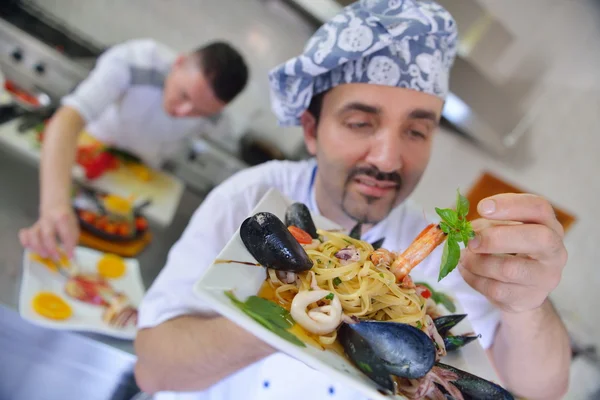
column 356, row 231
column 474, row 387
column 298, row 215
column 378, row 243
column 385, row 349
column 272, row 245
column 444, row 324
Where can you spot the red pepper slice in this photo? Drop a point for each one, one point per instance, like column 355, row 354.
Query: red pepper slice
column 301, row 235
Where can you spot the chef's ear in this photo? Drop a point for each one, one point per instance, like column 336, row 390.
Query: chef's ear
column 309, row 126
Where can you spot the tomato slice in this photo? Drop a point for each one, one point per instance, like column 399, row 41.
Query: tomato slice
column 301, row 235
column 423, row 291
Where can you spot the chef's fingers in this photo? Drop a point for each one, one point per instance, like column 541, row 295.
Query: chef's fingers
column 48, row 238
column 68, row 233
column 35, row 241
column 504, row 267
column 527, row 208
column 24, row 238
column 537, row 241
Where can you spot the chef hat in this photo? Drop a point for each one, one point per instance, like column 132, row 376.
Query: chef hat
column 401, row 43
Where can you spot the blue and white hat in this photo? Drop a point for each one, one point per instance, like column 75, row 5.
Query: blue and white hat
column 402, row 43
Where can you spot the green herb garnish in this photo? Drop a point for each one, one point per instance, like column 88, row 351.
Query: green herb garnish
column 329, row 296
column 439, row 297
column 270, row 315
column 336, row 281
column 419, row 325
column 458, row 229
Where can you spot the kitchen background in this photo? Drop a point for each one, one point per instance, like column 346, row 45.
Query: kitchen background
column 525, row 107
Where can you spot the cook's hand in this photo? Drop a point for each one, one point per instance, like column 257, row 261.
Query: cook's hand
column 41, row 237
column 517, row 256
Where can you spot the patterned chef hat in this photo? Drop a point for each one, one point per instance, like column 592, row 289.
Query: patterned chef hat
column 401, row 43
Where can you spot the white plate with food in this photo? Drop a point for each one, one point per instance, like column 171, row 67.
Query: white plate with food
column 95, row 292
column 317, row 313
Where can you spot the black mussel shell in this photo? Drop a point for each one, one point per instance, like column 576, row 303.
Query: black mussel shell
column 444, row 323
column 474, row 387
column 363, row 356
column 453, row 343
column 356, row 232
column 378, row 243
column 403, row 350
column 299, row 215
column 268, row 240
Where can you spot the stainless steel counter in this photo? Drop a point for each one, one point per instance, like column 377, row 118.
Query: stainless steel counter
column 19, row 196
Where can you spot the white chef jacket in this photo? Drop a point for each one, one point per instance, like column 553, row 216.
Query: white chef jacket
column 213, row 225
column 122, row 102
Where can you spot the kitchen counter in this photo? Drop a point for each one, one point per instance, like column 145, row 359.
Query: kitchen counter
column 19, row 208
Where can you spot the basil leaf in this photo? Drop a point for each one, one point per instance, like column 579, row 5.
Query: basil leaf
column 336, row 281
column 269, row 314
column 441, row 298
column 271, row 311
column 448, row 216
column 445, row 227
column 290, row 337
column 426, row 285
column 462, row 205
column 329, row 296
column 419, row 325
column 450, row 257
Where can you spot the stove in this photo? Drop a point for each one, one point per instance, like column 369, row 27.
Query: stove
column 39, row 54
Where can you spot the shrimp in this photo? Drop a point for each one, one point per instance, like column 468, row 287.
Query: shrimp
column 382, row 257
column 430, row 238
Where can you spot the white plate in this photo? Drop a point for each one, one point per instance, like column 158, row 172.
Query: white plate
column 86, row 317
column 246, row 280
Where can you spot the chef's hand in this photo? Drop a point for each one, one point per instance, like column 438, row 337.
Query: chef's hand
column 517, row 256
column 41, row 237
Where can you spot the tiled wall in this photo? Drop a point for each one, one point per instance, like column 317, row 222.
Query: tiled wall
column 556, row 40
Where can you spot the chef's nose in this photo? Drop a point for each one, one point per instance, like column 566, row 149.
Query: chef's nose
column 386, row 151
column 183, row 109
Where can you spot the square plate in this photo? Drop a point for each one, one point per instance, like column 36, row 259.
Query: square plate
column 86, row 317
column 246, row 280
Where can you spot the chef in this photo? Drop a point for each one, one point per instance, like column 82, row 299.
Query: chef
column 368, row 92
column 141, row 97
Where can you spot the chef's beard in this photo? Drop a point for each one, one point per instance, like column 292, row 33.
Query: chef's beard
column 362, row 215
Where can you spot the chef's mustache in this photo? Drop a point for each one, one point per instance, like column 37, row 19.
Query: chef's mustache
column 375, row 173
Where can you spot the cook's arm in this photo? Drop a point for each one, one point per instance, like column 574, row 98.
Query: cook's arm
column 191, row 353
column 532, row 353
column 107, row 81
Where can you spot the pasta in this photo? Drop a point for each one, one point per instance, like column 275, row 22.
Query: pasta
column 365, row 290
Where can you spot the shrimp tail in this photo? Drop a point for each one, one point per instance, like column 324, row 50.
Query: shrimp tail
column 423, row 245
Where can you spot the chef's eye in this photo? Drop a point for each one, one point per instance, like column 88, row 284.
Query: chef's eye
column 359, row 125
column 417, row 134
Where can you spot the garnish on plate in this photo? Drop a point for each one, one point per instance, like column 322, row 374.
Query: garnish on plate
column 270, row 315
column 458, row 229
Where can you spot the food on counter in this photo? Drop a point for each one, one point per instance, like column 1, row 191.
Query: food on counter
column 94, row 289
column 120, row 313
column 52, row 265
column 118, row 206
column 90, row 288
column 120, row 229
column 20, row 94
column 51, row 306
column 111, row 266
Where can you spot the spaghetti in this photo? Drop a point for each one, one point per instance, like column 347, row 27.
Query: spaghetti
column 343, row 269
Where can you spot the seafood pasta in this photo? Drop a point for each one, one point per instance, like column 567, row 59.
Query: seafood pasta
column 345, row 276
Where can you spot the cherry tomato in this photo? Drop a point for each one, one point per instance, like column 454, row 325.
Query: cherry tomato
column 110, row 228
column 423, row 291
column 88, row 216
column 123, row 229
column 141, row 224
column 301, row 236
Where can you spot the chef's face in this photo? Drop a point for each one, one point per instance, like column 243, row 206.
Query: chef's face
column 372, row 145
column 188, row 92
